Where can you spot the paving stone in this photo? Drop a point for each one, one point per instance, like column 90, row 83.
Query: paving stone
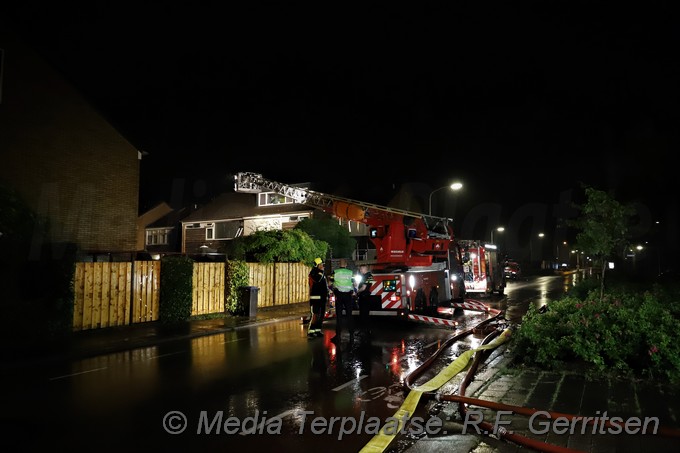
column 569, row 395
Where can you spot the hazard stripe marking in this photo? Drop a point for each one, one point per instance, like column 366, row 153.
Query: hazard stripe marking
column 390, row 304
column 445, row 322
column 471, row 304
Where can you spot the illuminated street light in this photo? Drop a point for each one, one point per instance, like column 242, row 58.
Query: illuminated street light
column 455, row 187
column 577, row 257
column 499, row 229
column 531, row 247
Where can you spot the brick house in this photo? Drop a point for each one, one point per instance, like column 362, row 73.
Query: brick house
column 161, row 231
column 63, row 158
column 231, row 215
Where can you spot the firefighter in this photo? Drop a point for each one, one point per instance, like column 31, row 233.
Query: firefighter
column 318, row 298
column 345, row 292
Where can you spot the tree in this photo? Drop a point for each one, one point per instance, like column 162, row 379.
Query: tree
column 280, row 246
column 329, row 230
column 603, row 226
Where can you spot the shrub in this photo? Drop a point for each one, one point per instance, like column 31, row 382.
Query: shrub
column 626, row 333
column 175, row 290
column 583, row 287
column 236, row 276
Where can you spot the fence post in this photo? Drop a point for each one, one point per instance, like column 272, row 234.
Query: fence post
column 131, row 303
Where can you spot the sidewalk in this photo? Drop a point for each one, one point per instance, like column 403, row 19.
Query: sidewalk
column 558, row 394
column 561, row 392
column 114, row 339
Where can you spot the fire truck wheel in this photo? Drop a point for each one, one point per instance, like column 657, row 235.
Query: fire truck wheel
column 434, row 297
column 420, row 300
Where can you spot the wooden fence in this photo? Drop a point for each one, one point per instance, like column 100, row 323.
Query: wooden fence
column 115, row 294
column 123, row 293
column 209, row 287
column 279, row 283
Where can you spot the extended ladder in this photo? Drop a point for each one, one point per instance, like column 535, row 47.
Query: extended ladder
column 254, row 182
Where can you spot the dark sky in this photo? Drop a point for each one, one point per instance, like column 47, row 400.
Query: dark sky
column 521, row 101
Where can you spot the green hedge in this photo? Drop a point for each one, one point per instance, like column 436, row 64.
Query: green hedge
column 236, row 276
column 175, row 290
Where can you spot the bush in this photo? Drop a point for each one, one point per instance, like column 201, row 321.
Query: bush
column 583, row 287
column 175, row 290
column 625, row 333
column 236, row 278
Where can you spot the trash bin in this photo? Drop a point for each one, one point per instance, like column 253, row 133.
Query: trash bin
column 249, row 300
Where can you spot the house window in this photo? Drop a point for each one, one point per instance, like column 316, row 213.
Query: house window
column 157, row 236
column 271, row 198
column 228, row 230
column 210, row 233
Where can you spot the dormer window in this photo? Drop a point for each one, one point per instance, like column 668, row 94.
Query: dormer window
column 272, row 198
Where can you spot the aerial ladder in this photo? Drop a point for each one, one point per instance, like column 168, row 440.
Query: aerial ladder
column 418, row 266
column 403, row 239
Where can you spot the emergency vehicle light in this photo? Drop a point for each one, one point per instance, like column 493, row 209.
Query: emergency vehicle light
column 390, row 285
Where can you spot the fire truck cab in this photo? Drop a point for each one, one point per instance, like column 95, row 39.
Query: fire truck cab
column 415, row 290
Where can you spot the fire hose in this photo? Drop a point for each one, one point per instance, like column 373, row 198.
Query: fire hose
column 488, row 427
column 381, row 441
column 550, row 415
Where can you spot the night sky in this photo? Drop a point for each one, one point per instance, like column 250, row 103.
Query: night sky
column 521, row 101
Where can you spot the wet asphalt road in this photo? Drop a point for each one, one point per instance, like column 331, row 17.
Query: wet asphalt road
column 240, row 389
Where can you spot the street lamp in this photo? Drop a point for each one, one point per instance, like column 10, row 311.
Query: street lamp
column 455, row 186
column 499, row 229
column 531, row 247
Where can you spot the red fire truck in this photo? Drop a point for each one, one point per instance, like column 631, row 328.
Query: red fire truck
column 482, row 268
column 418, row 266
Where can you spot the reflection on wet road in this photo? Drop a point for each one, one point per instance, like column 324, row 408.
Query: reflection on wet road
column 241, row 389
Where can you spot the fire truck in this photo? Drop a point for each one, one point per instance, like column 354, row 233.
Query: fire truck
column 482, row 268
column 418, row 264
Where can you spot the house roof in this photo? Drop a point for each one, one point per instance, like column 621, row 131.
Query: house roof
column 171, row 219
column 232, row 205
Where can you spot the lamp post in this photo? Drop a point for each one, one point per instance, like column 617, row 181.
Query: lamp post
column 575, row 253
column 531, row 247
column 499, row 229
column 558, row 253
column 454, row 186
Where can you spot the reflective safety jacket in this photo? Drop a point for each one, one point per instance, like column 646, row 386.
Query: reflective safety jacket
column 342, row 280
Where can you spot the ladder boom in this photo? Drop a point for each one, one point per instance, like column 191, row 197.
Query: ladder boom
column 254, row 182
column 401, row 238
